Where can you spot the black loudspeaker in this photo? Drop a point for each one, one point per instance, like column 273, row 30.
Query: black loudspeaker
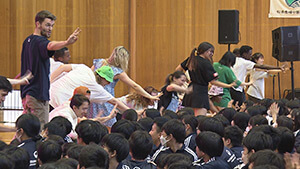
column 286, row 43
column 228, row 26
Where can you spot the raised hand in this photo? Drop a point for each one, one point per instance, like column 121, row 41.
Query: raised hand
column 274, row 109
column 74, row 36
column 284, row 67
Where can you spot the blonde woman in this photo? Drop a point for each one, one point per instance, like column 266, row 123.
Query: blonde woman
column 118, row 61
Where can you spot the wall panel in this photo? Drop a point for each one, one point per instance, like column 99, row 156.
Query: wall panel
column 166, row 32
column 165, row 43
column 104, row 25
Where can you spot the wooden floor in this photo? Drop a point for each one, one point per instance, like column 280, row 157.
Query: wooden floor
column 8, row 118
column 7, row 136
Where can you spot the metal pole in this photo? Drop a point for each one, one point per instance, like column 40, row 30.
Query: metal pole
column 292, row 77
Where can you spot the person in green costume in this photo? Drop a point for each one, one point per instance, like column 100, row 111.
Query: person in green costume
column 226, row 75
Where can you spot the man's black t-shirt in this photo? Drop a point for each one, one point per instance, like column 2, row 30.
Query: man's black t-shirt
column 35, row 57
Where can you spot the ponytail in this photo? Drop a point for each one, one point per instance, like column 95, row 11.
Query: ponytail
column 175, row 75
column 191, row 63
column 169, row 79
column 203, row 47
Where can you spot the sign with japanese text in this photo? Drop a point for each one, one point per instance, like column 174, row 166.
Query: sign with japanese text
column 284, row 9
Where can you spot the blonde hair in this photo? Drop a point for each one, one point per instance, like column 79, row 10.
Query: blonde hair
column 141, row 100
column 120, row 58
column 98, row 78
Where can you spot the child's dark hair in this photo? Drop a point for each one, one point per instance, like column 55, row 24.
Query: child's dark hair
column 228, row 59
column 210, row 143
column 256, row 56
column 5, row 84
column 267, row 157
column 241, row 120
column 175, row 75
column 91, row 131
column 228, row 113
column 116, row 142
column 212, row 124
column 19, row 157
column 245, row 49
column 124, row 127
column 49, row 151
column 285, row 122
column 257, row 141
column 192, row 121
column 287, row 140
column 30, row 125
column 235, row 134
column 203, row 47
column 274, row 133
column 258, row 120
column 62, row 121
column 74, row 151
column 176, row 128
column 130, row 114
column 140, row 144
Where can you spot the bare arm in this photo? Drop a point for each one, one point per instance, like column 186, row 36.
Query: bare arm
column 124, row 78
column 56, row 45
column 121, row 106
column 247, row 83
column 212, row 107
column 60, row 70
column 221, row 84
column 104, row 119
column 18, row 81
column 274, row 71
column 179, row 68
column 23, row 80
column 174, row 87
column 266, row 67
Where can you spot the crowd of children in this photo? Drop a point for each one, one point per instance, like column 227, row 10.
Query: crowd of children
column 91, row 129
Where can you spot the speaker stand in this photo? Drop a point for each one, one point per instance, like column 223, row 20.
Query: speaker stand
column 292, row 77
column 273, row 76
column 229, row 47
column 279, row 88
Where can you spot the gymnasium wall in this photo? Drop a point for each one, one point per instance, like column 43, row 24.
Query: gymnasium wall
column 158, row 33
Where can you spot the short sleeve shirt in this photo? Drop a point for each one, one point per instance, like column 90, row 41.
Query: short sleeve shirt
column 240, row 69
column 203, row 73
column 62, row 89
column 35, row 57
